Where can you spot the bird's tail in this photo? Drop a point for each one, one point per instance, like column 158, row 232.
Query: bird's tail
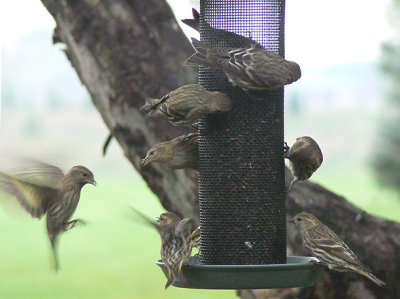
column 169, row 282
column 55, row 255
column 149, row 105
column 171, row 279
column 372, row 277
column 195, row 22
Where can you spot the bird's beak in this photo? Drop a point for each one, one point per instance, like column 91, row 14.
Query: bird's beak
column 158, row 220
column 92, row 182
column 291, row 221
column 145, row 161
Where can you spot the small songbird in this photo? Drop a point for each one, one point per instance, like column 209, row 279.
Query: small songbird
column 305, row 158
column 219, row 37
column 42, row 189
column 328, row 248
column 248, row 68
column 185, row 105
column 180, row 152
column 175, row 246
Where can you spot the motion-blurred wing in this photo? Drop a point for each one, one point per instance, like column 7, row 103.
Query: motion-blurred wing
column 33, row 198
column 36, row 173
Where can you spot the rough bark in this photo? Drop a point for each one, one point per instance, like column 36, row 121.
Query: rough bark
column 125, row 51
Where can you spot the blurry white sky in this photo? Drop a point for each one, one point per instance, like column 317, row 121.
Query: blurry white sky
column 318, row 32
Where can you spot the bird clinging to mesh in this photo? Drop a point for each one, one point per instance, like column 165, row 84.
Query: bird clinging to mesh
column 185, row 105
column 176, row 247
column 305, row 158
column 328, row 248
column 248, row 68
column 41, row 189
column 219, row 37
column 180, row 152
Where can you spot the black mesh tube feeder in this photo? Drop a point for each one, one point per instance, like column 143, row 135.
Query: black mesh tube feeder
column 242, row 175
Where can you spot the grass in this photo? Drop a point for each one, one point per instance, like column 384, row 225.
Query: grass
column 111, row 257
column 114, row 255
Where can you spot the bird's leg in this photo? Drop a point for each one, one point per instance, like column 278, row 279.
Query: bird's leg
column 316, row 262
column 69, row 225
column 291, row 184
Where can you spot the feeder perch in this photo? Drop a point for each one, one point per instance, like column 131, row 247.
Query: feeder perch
column 242, row 172
column 298, row 271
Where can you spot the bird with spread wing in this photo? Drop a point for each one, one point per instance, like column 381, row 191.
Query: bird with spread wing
column 42, row 188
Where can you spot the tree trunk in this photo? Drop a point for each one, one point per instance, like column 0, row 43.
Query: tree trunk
column 125, row 51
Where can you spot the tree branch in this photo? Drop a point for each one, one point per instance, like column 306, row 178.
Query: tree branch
column 125, row 51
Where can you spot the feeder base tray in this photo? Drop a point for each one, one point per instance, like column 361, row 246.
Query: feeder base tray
column 297, row 272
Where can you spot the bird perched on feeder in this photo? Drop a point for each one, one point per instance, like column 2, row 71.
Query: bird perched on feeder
column 328, row 248
column 248, row 68
column 42, row 188
column 185, row 105
column 218, row 37
column 175, row 248
column 305, row 158
column 180, row 152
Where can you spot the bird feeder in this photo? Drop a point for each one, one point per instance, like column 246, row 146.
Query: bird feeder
column 242, row 174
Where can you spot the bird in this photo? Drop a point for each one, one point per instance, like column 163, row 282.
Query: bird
column 180, row 152
column 176, row 247
column 305, row 157
column 219, row 37
column 185, row 105
column 249, row 68
column 328, row 248
column 41, row 188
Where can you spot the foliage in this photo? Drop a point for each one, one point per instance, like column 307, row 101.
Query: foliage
column 386, row 159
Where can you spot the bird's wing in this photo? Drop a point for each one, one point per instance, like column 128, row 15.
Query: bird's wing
column 296, row 151
column 184, row 228
column 191, row 137
column 331, row 243
column 36, row 173
column 33, row 198
column 184, row 99
column 146, row 219
column 188, row 143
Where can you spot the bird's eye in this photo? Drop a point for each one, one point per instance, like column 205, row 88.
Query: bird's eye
column 151, row 153
column 84, row 174
column 298, row 219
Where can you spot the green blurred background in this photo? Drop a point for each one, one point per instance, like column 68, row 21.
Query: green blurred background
column 46, row 114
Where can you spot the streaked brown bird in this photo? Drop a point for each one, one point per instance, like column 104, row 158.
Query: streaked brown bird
column 328, row 248
column 185, row 105
column 305, row 158
column 41, row 189
column 219, row 37
column 175, row 246
column 180, row 152
column 248, row 68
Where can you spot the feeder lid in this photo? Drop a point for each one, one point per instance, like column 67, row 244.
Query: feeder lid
column 297, row 272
